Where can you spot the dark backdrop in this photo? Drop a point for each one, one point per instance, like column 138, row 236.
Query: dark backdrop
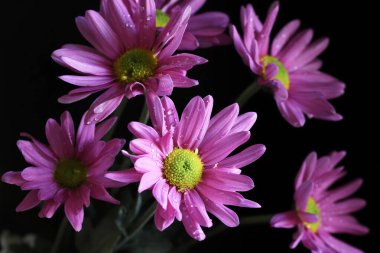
column 31, row 30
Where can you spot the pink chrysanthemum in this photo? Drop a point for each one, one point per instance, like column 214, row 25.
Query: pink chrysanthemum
column 290, row 67
column 68, row 170
column 204, row 30
column 130, row 55
column 321, row 211
column 185, row 162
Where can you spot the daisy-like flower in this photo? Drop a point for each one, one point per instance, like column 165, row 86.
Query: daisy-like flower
column 186, row 165
column 290, row 67
column 204, row 30
column 321, row 211
column 130, row 55
column 69, row 170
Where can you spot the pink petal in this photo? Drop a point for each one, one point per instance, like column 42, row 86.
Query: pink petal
column 190, row 124
column 36, row 156
column 263, row 39
column 102, row 129
column 227, row 181
column 100, row 193
column 224, row 214
column 160, row 193
column 31, row 200
column 220, row 125
column 196, row 208
column 143, row 131
column 148, row 180
column 87, row 80
column 189, row 42
column 145, row 146
column 208, row 24
column 283, row 36
column 105, row 104
column 74, row 212
column 225, row 197
column 243, row 158
column 49, row 208
column 285, row 220
column 183, row 61
column 100, row 34
column 302, row 195
column 121, row 20
column 223, row 148
column 171, row 36
column 59, row 140
column 170, row 118
column 291, row 112
column 191, row 226
column 156, row 112
column 147, row 164
column 295, row 47
column 67, row 125
column 124, row 176
column 338, row 245
column 13, row 177
column 147, row 24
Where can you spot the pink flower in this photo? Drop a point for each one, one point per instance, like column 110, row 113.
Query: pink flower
column 204, row 30
column 290, row 67
column 130, row 55
column 321, row 211
column 70, row 169
column 186, row 165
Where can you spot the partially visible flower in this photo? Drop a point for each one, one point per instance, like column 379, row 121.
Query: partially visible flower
column 204, row 30
column 130, row 55
column 186, row 165
column 69, row 170
column 290, row 67
column 321, row 211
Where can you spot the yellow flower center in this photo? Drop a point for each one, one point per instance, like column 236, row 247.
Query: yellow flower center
column 282, row 74
column 313, row 208
column 162, row 19
column 135, row 65
column 70, row 173
column 183, row 168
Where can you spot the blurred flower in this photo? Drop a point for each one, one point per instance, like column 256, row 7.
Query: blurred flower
column 290, row 68
column 68, row 170
column 9, row 242
column 185, row 162
column 130, row 55
column 204, row 30
column 321, row 211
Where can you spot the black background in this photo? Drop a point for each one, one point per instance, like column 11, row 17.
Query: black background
column 31, row 30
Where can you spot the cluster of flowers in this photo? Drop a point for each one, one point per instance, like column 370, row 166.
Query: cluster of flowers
column 185, row 160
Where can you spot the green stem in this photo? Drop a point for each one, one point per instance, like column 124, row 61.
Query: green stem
column 144, row 117
column 118, row 113
column 138, row 225
column 251, row 90
column 60, row 235
column 246, row 221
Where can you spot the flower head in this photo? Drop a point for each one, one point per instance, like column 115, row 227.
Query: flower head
column 321, row 211
column 130, row 55
column 185, row 162
column 204, row 30
column 289, row 67
column 69, row 170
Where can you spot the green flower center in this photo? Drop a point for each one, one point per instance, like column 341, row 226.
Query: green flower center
column 282, row 74
column 162, row 19
column 183, row 168
column 135, row 65
column 70, row 173
column 313, row 208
